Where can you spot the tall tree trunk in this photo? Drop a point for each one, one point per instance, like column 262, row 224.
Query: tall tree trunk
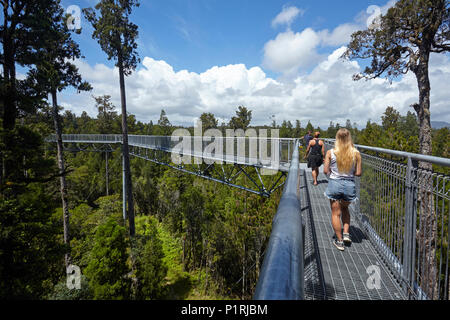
column 107, row 173
column 257, row 257
column 184, row 253
column 427, row 229
column 9, row 107
column 207, row 265
column 62, row 178
column 9, row 71
column 243, row 274
column 126, row 154
column 3, row 175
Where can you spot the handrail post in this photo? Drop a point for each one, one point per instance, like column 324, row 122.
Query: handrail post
column 409, row 243
column 289, row 151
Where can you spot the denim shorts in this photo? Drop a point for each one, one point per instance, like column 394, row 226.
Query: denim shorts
column 340, row 189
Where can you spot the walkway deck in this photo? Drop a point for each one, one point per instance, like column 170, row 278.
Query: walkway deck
column 334, row 274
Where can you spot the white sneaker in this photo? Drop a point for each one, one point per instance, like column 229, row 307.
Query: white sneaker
column 339, row 244
column 346, row 238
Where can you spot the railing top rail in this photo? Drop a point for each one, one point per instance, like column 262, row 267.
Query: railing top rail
column 223, row 137
column 159, row 136
column 282, row 274
column 414, row 156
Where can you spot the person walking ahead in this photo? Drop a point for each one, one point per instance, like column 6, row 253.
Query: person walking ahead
column 307, row 138
column 315, row 153
column 342, row 164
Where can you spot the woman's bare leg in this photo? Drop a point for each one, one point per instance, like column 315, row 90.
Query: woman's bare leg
column 315, row 173
column 336, row 218
column 345, row 216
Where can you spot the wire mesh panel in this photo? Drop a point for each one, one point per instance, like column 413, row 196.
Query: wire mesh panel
column 263, row 151
column 432, row 236
column 405, row 208
column 382, row 203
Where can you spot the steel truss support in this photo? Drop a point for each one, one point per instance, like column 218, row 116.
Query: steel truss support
column 225, row 174
column 90, row 147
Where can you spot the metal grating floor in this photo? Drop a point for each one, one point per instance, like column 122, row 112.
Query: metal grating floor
column 334, row 274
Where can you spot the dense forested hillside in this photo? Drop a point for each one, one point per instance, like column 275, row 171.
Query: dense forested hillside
column 194, row 239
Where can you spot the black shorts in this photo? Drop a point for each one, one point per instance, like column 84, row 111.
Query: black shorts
column 315, row 161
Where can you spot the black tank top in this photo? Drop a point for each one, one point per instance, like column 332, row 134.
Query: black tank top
column 316, row 149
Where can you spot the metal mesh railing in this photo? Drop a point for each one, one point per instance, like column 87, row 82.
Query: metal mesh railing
column 249, row 150
column 269, row 152
column 88, row 138
column 405, row 210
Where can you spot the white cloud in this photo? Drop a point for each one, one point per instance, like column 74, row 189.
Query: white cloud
column 341, row 35
column 290, row 51
column 325, row 94
column 287, row 16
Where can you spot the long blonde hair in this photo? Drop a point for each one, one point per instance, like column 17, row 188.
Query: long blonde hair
column 344, row 150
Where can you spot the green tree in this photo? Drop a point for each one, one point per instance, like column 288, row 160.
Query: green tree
column 164, row 126
column 371, row 134
column 309, row 127
column 331, row 131
column 106, row 114
column 54, row 72
column 150, row 267
column 146, row 186
column 31, row 251
column 208, row 121
column 242, row 119
column 409, row 125
column 192, row 209
column 298, row 129
column 108, row 269
column 403, row 41
column 85, row 220
column 171, row 185
column 69, row 122
column 117, row 38
column 23, row 28
column 441, row 143
column 24, row 24
column 61, row 292
column 286, row 130
column 390, row 118
column 85, row 122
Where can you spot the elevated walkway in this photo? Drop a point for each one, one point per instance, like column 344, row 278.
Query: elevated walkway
column 254, row 157
column 401, row 204
column 329, row 273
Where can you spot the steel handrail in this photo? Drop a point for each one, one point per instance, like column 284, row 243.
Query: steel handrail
column 282, row 272
column 414, row 156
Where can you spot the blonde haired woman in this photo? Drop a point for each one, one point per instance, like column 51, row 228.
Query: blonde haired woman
column 342, row 164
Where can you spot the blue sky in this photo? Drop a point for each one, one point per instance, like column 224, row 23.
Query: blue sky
column 198, row 34
column 275, row 57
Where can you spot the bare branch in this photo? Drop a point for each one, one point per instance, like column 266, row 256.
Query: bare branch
column 440, row 47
